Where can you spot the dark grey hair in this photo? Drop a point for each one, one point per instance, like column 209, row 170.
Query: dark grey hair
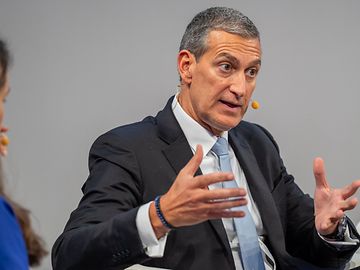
column 215, row 18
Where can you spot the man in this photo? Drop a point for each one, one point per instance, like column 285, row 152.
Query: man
column 155, row 194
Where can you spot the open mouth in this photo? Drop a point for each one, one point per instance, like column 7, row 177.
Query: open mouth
column 231, row 105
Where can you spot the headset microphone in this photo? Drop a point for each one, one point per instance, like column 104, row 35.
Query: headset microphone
column 255, row 104
column 4, row 140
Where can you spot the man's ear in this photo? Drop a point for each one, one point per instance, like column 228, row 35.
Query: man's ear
column 186, row 61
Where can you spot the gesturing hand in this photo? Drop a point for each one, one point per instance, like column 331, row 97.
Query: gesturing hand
column 330, row 203
column 189, row 201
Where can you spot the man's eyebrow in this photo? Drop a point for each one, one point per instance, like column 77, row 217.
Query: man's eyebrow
column 229, row 57
column 256, row 62
column 235, row 61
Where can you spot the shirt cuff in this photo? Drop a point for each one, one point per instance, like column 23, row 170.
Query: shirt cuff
column 348, row 241
column 153, row 247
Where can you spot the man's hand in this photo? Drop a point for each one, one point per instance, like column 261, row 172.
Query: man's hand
column 189, row 201
column 330, row 204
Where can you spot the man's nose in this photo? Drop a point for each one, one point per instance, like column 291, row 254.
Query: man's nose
column 238, row 85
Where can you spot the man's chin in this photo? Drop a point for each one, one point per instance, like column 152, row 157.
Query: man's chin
column 220, row 128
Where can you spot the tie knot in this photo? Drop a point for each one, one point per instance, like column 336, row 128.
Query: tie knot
column 220, row 148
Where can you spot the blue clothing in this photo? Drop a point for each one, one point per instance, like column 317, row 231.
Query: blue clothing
column 13, row 254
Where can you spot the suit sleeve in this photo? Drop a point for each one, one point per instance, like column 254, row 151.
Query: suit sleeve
column 101, row 233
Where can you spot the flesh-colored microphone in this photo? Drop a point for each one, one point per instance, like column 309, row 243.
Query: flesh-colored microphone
column 255, row 104
column 4, row 140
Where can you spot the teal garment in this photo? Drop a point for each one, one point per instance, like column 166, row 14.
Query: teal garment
column 13, row 254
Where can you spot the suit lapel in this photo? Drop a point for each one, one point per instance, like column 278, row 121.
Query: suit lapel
column 259, row 190
column 178, row 151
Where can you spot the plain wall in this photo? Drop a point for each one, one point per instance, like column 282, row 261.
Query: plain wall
column 83, row 67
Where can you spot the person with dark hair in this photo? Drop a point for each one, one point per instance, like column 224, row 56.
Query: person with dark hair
column 20, row 246
column 196, row 187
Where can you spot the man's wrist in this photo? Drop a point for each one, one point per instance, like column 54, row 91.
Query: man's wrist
column 159, row 229
column 339, row 233
column 161, row 215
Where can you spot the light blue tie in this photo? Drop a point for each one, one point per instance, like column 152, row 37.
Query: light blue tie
column 250, row 252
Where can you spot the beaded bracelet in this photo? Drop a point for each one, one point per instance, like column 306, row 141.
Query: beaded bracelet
column 160, row 214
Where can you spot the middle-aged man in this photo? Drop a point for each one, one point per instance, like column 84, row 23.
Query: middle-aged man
column 161, row 192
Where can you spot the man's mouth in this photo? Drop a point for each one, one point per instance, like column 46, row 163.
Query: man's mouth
column 230, row 104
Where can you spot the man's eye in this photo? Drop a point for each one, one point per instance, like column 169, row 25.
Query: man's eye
column 252, row 72
column 225, row 67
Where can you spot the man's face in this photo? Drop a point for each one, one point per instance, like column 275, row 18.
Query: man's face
column 217, row 89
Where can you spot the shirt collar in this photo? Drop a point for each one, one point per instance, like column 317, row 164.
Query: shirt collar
column 194, row 132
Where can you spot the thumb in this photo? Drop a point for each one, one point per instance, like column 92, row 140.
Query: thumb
column 319, row 173
column 194, row 163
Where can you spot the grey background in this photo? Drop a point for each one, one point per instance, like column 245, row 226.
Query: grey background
column 83, row 67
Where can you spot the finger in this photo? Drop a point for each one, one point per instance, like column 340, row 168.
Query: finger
column 349, row 204
column 319, row 173
column 212, row 178
column 228, row 204
column 328, row 224
column 193, row 165
column 350, row 190
column 338, row 215
column 217, row 214
column 224, row 194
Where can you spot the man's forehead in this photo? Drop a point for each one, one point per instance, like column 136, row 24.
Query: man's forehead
column 219, row 41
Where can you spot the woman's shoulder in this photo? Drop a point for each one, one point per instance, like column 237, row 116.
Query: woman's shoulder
column 8, row 219
column 13, row 253
column 5, row 207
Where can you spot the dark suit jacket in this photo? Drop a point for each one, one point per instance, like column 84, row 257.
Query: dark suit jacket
column 131, row 165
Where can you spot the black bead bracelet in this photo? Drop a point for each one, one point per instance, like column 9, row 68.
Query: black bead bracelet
column 160, row 214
